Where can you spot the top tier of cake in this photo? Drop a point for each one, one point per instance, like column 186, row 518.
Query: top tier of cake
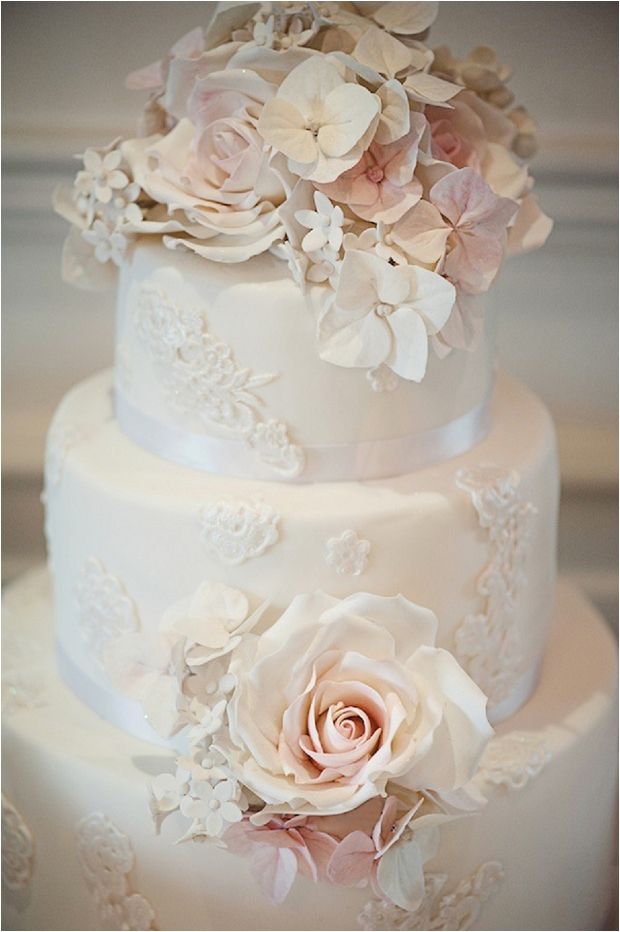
column 217, row 366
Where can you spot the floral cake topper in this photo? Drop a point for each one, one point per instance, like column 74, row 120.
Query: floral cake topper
column 390, row 175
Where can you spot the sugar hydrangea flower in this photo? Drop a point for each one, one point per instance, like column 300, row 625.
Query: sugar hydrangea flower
column 382, row 186
column 462, row 225
column 321, row 123
column 384, row 314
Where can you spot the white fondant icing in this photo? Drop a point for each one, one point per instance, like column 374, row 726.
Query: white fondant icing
column 97, row 768
column 258, row 311
column 138, row 514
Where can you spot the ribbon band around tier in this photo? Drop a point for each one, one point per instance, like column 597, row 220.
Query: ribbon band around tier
column 128, row 715
column 358, row 461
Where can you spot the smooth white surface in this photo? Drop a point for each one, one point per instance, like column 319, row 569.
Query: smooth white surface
column 553, row 837
column 257, row 310
column 139, row 516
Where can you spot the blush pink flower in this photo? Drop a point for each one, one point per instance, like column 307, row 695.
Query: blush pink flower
column 382, row 186
column 461, row 229
column 281, row 849
column 341, row 697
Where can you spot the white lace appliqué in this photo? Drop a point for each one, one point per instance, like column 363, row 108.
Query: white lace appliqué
column 456, row 910
column 61, row 438
column 24, row 672
column 487, row 643
column 105, row 609
column 106, row 856
column 238, row 531
column 201, row 376
column 347, row 554
column 17, row 849
column 512, row 760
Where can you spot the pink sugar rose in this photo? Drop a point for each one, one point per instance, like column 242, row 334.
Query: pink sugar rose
column 228, row 164
column 382, row 186
column 461, row 229
column 341, row 697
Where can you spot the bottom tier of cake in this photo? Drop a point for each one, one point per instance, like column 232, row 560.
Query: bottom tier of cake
column 80, row 851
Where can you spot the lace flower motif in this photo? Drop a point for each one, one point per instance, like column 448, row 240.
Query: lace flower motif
column 17, row 849
column 106, row 856
column 106, row 611
column 200, row 376
column 237, row 531
column 347, row 554
column 457, row 910
column 487, row 642
column 513, row 759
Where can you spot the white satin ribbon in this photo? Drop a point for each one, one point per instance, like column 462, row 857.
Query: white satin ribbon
column 128, row 715
column 367, row 459
column 123, row 713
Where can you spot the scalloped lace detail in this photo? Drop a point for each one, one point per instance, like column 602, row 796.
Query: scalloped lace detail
column 488, row 645
column 513, row 759
column 456, row 910
column 347, row 554
column 236, row 531
column 17, row 849
column 107, row 858
column 105, row 609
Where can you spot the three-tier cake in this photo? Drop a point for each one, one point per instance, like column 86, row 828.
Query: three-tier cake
column 302, row 537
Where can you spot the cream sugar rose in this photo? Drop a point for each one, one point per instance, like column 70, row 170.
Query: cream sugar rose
column 340, row 708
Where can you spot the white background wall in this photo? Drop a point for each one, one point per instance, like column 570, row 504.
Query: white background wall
column 63, row 71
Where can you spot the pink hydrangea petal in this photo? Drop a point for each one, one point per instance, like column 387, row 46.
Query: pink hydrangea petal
column 352, row 861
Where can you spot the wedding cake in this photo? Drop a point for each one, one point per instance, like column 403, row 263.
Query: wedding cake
column 308, row 665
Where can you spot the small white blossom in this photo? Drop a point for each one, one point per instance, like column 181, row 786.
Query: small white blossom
column 169, row 789
column 123, row 208
column 102, row 175
column 213, row 808
column 109, row 243
column 325, row 225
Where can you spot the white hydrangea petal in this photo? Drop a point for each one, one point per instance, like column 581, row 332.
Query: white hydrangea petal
column 362, row 343
column 347, row 113
column 382, row 52
column 407, row 19
column 311, row 81
column 428, row 89
column 409, row 354
column 434, row 297
column 282, row 126
column 394, row 121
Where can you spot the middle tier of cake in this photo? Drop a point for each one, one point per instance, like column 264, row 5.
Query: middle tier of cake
column 472, row 538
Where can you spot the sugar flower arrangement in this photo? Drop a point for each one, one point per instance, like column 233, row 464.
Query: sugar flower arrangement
column 391, row 176
column 331, row 742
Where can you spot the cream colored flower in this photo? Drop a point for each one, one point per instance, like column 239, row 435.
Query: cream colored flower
column 318, row 121
column 212, row 621
column 324, row 225
column 384, row 314
column 340, row 698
